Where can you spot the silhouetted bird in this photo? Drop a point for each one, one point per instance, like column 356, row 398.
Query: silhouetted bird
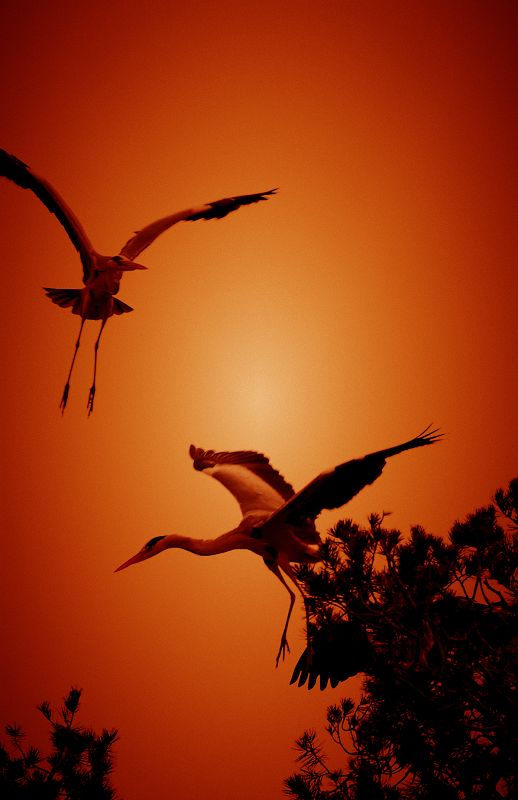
column 278, row 524
column 102, row 274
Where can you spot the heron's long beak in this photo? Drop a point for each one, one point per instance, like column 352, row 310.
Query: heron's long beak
column 128, row 265
column 140, row 556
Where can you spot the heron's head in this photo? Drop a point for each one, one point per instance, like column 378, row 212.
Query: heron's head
column 124, row 264
column 151, row 548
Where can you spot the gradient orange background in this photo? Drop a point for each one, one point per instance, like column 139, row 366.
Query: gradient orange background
column 374, row 294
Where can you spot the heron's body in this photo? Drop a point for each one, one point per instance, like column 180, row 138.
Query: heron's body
column 277, row 523
column 102, row 274
column 96, row 300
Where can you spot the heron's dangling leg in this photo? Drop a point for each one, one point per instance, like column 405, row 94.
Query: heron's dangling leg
column 289, row 571
column 284, row 639
column 91, row 395
column 66, row 390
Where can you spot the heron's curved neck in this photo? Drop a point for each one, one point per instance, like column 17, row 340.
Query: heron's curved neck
column 206, row 547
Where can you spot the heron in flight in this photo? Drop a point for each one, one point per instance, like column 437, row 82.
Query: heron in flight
column 102, row 274
column 278, row 523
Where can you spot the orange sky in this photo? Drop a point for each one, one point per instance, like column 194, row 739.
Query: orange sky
column 374, row 294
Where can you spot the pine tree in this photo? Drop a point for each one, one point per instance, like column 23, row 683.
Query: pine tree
column 78, row 767
column 432, row 625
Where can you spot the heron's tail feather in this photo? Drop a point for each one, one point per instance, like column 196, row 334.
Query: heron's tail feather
column 119, row 307
column 65, row 298
column 71, row 298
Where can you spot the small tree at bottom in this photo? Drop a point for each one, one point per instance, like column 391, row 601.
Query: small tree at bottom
column 78, row 768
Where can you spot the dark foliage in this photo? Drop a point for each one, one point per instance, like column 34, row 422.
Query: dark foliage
column 438, row 711
column 78, row 767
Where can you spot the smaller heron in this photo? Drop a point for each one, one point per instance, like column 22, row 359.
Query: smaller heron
column 102, row 274
column 278, row 524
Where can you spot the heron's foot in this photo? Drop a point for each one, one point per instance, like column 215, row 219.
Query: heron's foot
column 282, row 650
column 64, row 397
column 90, row 403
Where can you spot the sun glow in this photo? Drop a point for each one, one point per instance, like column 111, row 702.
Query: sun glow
column 374, row 293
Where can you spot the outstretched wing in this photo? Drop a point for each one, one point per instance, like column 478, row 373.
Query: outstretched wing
column 337, row 486
column 338, row 651
column 22, row 175
column 214, row 210
column 255, row 484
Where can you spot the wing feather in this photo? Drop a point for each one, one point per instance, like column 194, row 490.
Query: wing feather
column 335, row 487
column 215, row 210
column 248, row 475
column 337, row 652
column 19, row 173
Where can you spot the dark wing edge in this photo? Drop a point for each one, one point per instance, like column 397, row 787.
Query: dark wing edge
column 218, row 209
column 252, row 460
column 19, row 173
column 336, row 487
column 428, row 436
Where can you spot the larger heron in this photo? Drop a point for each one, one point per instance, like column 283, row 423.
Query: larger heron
column 102, row 274
column 278, row 523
